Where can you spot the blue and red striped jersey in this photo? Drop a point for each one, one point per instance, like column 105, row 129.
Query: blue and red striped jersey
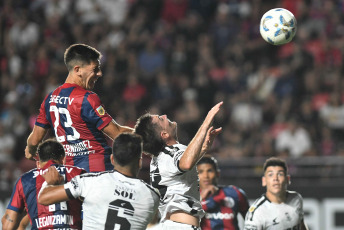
column 222, row 209
column 77, row 117
column 61, row 215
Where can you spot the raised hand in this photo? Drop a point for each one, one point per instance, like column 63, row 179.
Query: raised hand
column 52, row 176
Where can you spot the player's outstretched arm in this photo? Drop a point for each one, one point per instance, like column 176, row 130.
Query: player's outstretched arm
column 52, row 193
column 10, row 220
column 193, row 152
column 113, row 129
column 36, row 136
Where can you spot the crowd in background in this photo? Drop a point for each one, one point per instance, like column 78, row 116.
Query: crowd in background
column 180, row 57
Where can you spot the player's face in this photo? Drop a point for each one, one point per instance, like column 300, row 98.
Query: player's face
column 207, row 175
column 166, row 125
column 275, row 180
column 90, row 74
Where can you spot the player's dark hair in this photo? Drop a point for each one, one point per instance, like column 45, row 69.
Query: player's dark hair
column 50, row 150
column 274, row 161
column 126, row 148
column 209, row 160
column 80, row 54
column 152, row 141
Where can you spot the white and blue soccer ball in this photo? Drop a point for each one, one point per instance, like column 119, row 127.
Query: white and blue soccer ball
column 278, row 26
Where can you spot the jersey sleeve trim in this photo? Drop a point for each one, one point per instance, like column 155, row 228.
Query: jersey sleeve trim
column 256, row 206
column 69, row 194
column 10, row 207
column 45, row 126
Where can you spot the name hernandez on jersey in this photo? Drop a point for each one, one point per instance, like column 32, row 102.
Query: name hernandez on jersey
column 266, row 215
column 113, row 199
column 179, row 189
column 65, row 215
column 77, row 117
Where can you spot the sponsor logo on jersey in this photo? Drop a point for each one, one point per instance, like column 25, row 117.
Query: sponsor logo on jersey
column 229, row 202
column 124, row 192
column 53, row 220
column 288, row 216
column 43, row 171
column 61, row 100
column 250, row 227
column 219, row 216
column 274, row 222
column 101, row 110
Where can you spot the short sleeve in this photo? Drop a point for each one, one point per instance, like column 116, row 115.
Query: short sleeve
column 94, row 112
column 17, row 198
column 74, row 187
column 42, row 120
column 252, row 220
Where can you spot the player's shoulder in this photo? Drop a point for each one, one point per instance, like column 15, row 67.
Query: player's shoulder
column 151, row 188
column 90, row 175
column 172, row 150
column 293, row 195
column 258, row 204
column 30, row 174
column 71, row 168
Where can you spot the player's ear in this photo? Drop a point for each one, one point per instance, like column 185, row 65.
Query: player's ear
column 288, row 178
column 164, row 135
column 112, row 160
column 263, row 181
column 140, row 162
column 76, row 69
column 37, row 164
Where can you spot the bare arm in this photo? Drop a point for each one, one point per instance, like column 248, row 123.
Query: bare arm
column 36, row 136
column 113, row 129
column 24, row 222
column 10, row 220
column 52, row 193
column 201, row 142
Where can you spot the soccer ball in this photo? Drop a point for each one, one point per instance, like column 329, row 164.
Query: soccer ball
column 278, row 26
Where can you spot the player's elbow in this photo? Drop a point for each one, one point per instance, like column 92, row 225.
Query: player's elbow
column 43, row 199
column 185, row 165
column 7, row 224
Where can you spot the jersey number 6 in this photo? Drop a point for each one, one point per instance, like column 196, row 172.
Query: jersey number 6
column 115, row 219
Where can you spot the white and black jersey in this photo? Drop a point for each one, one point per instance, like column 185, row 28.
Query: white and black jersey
column 266, row 215
column 179, row 189
column 113, row 200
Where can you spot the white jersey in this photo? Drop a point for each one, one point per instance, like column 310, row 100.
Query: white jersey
column 266, row 215
column 113, row 200
column 179, row 189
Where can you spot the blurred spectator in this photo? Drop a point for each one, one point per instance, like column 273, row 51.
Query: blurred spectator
column 294, row 139
column 332, row 114
column 24, row 33
column 7, row 143
column 151, row 60
column 174, row 10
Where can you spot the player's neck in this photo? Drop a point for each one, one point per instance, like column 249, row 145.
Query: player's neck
column 277, row 198
column 72, row 80
column 130, row 172
column 171, row 142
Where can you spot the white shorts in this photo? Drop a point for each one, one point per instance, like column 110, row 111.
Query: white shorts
column 171, row 225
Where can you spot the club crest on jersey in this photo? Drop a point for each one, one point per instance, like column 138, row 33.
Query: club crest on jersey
column 252, row 209
column 101, row 110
